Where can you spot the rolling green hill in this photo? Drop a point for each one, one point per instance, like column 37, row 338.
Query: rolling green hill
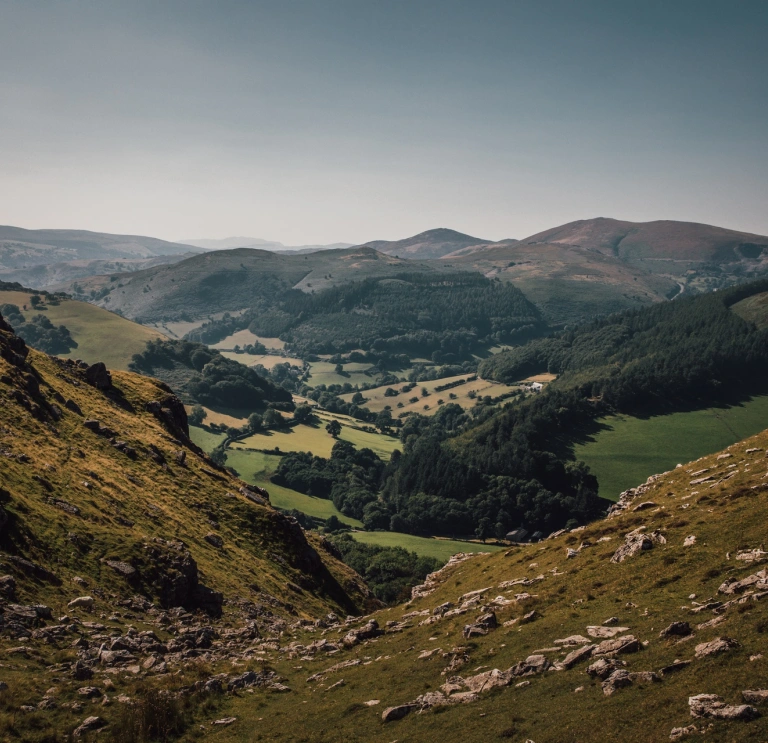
column 100, row 335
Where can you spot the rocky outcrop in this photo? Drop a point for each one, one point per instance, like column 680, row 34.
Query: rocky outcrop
column 171, row 413
column 716, row 646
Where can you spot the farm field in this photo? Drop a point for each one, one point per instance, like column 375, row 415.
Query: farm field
column 323, row 372
column 440, row 549
column 376, row 401
column 206, row 440
column 232, row 418
column 266, row 360
column 317, row 440
column 628, row 450
column 100, row 335
column 256, row 468
column 246, row 338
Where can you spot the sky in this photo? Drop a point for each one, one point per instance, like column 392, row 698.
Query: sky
column 317, row 121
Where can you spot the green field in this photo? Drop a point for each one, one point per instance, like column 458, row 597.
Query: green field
column 318, row 441
column 628, row 450
column 100, row 335
column 323, row 372
column 754, row 309
column 256, row 468
column 206, row 440
column 440, row 549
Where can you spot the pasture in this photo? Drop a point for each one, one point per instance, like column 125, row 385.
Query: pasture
column 465, row 395
column 627, row 450
column 440, row 549
column 315, row 439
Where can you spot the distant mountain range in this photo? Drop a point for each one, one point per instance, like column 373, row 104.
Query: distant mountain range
column 229, row 243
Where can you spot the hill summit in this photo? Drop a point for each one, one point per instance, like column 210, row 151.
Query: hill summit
column 427, row 245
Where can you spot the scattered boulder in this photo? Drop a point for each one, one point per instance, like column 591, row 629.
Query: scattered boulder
column 755, row 696
column 82, row 602
column 605, row 632
column 482, row 626
column 637, row 541
column 625, row 644
column 713, row 706
column 7, row 586
column 367, row 632
column 622, row 678
column 88, row 725
column 604, row 667
column 397, row 713
column 97, row 376
column 676, row 629
column 680, row 733
column 532, row 665
column 214, row 540
column 576, row 656
column 716, row 646
column 758, row 581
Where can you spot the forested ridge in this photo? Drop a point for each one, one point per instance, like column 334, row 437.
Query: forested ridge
column 413, row 313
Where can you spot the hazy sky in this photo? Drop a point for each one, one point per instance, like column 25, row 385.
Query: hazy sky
column 324, row 120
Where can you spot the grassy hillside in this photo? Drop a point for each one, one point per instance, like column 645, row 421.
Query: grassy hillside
column 100, row 335
column 104, row 496
column 627, row 450
column 707, row 528
column 439, row 548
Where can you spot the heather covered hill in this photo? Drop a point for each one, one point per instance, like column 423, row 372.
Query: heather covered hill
column 665, row 240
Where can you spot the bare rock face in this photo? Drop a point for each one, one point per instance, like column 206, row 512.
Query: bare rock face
column 637, row 541
column 755, row 696
column 713, row 706
column 757, row 581
column 97, row 376
column 576, row 656
column 89, row 725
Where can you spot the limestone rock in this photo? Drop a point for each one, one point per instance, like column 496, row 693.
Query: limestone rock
column 397, row 713
column 755, row 696
column 676, row 629
column 605, row 632
column 88, row 725
column 625, row 644
column 718, row 645
column 637, row 541
column 712, row 706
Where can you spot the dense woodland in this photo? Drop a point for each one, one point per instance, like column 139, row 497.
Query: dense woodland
column 202, row 375
column 444, row 318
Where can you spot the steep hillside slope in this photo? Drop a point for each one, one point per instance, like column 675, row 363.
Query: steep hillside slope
column 100, row 335
column 427, row 245
column 609, row 632
column 111, row 519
